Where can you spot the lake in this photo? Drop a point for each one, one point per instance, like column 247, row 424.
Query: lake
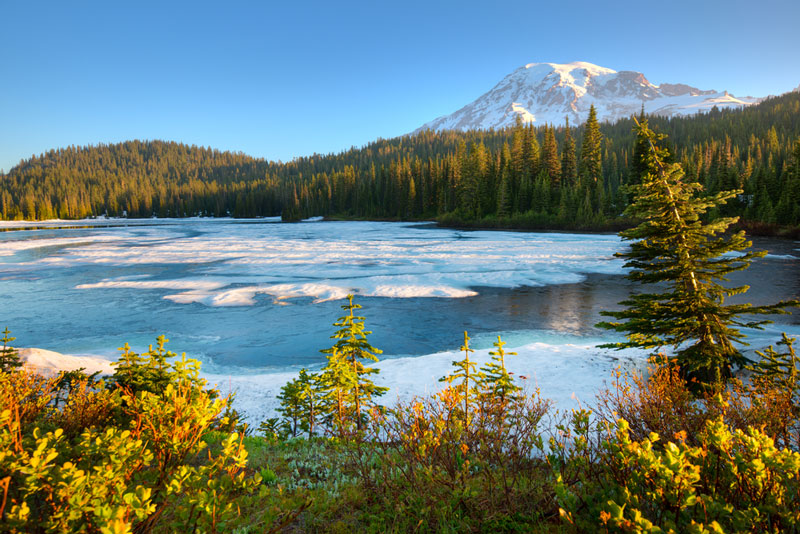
column 255, row 300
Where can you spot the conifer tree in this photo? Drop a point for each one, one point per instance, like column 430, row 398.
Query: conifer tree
column 146, row 372
column 345, row 377
column 498, row 381
column 337, row 380
column 300, row 403
column 781, row 369
column 550, row 161
column 504, row 196
column 308, row 385
column 569, row 162
column 531, row 152
column 471, row 379
column 9, row 358
column 591, row 168
column 641, row 148
column 674, row 248
column 291, row 406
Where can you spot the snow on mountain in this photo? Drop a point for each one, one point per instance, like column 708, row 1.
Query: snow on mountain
column 550, row 92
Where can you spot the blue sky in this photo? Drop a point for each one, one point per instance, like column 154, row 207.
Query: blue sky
column 280, row 80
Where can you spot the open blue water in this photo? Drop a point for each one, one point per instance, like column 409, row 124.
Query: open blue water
column 257, row 295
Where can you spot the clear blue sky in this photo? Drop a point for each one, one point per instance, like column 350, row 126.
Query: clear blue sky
column 285, row 80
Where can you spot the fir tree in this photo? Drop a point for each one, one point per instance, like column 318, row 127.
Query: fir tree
column 781, row 369
column 345, row 377
column 498, row 381
column 591, row 168
column 641, row 148
column 336, row 382
column 673, row 247
column 146, row 372
column 300, row 401
column 9, row 358
column 470, row 378
column 569, row 163
column 550, row 161
column 504, row 196
column 308, row 385
column 291, row 407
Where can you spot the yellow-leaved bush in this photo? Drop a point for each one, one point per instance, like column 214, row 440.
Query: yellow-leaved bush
column 730, row 481
column 137, row 464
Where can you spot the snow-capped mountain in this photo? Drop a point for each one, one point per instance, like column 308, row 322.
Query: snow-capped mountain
column 550, row 92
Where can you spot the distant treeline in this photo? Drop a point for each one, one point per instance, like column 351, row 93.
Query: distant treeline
column 540, row 177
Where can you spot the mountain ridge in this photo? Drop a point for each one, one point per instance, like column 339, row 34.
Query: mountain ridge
column 552, row 92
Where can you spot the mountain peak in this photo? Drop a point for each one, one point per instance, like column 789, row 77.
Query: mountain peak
column 551, row 92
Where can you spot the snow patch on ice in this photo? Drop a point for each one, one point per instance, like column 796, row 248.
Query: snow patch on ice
column 330, row 260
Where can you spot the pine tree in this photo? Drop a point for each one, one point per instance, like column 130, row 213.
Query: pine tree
column 471, row 379
column 504, row 196
column 781, row 369
column 308, row 385
column 569, row 163
column 550, row 161
column 291, row 406
column 498, row 381
column 641, row 148
column 300, row 403
column 336, row 382
column 530, row 152
column 9, row 358
column 344, row 378
column 591, row 168
column 149, row 371
column 675, row 248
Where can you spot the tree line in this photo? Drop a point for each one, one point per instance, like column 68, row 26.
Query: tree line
column 524, row 176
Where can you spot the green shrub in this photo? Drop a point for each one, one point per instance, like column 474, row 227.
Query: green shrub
column 732, row 481
column 119, row 460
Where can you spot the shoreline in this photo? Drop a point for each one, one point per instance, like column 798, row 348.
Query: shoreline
column 751, row 228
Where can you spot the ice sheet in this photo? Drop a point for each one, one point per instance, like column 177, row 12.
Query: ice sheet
column 329, row 260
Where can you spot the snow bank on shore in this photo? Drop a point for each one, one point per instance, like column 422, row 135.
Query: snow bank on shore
column 50, row 362
column 568, row 373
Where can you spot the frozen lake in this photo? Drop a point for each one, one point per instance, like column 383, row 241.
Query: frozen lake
column 255, row 300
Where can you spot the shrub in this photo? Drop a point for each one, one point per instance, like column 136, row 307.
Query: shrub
column 121, row 460
column 732, row 481
column 662, row 402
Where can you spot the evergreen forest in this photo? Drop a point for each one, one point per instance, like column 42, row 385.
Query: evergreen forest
column 524, row 177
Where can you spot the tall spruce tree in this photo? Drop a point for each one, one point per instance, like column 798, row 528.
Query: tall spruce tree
column 550, row 161
column 569, row 162
column 641, row 147
column 687, row 257
column 591, row 167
